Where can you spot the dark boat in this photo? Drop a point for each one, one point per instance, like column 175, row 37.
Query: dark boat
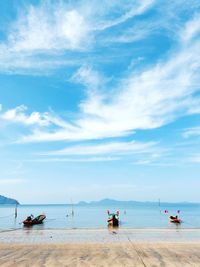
column 113, row 219
column 174, row 219
column 30, row 220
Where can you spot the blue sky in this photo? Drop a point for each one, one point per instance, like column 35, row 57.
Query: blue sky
column 99, row 100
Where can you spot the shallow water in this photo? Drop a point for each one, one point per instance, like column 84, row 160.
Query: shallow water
column 135, row 216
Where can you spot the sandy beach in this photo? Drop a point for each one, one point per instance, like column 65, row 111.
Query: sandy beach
column 98, row 247
column 123, row 254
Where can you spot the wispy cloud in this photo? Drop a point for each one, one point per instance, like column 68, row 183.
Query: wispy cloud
column 47, row 27
column 135, row 9
column 89, row 77
column 11, row 181
column 85, row 159
column 152, row 98
column 111, row 148
column 190, row 132
column 43, row 35
column 195, row 159
column 145, row 100
column 54, row 29
column 18, row 115
column 191, row 30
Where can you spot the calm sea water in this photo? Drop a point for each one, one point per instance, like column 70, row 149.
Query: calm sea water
column 134, row 216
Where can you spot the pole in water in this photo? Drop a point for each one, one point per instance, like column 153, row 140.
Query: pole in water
column 159, row 204
column 72, row 208
column 16, row 211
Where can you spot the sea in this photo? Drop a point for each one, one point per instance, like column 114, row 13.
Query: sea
column 145, row 215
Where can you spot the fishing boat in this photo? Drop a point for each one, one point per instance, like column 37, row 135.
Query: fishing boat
column 113, row 219
column 30, row 220
column 174, row 219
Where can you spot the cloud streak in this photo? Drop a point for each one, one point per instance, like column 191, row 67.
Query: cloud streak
column 190, row 132
column 55, row 30
column 11, row 181
column 112, row 148
column 86, row 159
column 44, row 28
column 18, row 115
column 145, row 100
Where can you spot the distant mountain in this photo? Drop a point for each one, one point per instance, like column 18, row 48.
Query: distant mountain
column 112, row 202
column 6, row 200
column 120, row 203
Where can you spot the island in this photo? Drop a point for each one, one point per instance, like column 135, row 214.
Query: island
column 7, row 200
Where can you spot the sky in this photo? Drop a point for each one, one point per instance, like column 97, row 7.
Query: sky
column 100, row 99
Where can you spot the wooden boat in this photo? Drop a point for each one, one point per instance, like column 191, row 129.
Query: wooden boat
column 113, row 219
column 174, row 219
column 30, row 220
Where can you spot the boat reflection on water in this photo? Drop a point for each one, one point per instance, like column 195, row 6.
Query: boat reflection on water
column 34, row 227
column 113, row 229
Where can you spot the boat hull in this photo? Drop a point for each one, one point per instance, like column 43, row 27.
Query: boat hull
column 38, row 220
column 113, row 223
column 175, row 221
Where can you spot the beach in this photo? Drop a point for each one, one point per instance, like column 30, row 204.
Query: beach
column 123, row 254
column 100, row 247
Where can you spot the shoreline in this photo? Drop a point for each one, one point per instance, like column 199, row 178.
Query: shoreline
column 100, row 247
column 100, row 235
column 164, row 229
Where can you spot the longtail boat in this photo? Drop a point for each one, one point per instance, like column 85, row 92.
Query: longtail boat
column 30, row 220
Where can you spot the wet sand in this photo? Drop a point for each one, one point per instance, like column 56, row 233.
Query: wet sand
column 63, row 236
column 100, row 248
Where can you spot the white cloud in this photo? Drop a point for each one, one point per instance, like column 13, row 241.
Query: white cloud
column 41, row 30
column 191, row 30
column 136, row 32
column 111, row 148
column 11, row 181
column 194, row 131
column 37, row 119
column 194, row 158
column 145, row 100
column 55, row 29
column 89, row 77
column 88, row 159
column 135, row 9
column 47, row 28
column 149, row 99
column 18, row 115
